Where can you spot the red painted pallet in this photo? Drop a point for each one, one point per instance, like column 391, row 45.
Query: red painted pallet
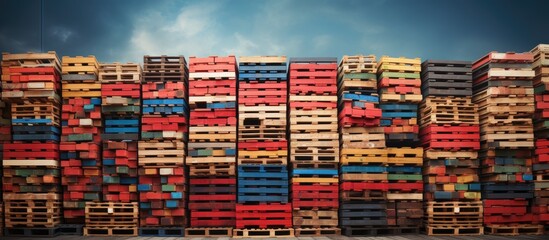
column 121, row 89
column 312, row 105
column 313, row 90
column 311, row 68
column 262, row 145
column 451, row 137
column 263, row 216
column 164, row 90
column 210, row 84
column 31, row 151
column 213, row 91
column 542, row 151
column 212, row 64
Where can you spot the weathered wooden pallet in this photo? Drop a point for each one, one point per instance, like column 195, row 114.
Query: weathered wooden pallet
column 212, row 169
column 30, row 59
column 514, row 230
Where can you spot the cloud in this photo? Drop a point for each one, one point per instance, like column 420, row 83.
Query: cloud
column 194, row 30
column 61, row 33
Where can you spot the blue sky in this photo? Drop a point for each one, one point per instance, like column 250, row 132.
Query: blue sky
column 125, row 30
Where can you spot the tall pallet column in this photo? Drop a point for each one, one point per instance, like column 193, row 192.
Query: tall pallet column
column 31, row 184
column 212, row 146
column 5, row 137
column 263, row 206
column 450, row 136
column 121, row 112
column 161, row 151
column 363, row 157
column 80, row 146
column 400, row 93
column 314, row 146
column 541, row 130
column 503, row 91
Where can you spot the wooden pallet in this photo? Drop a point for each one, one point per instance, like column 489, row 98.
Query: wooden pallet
column 315, row 218
column 105, row 214
column 161, row 153
column 30, row 59
column 80, row 65
column 262, row 233
column 211, row 169
column 454, row 230
column 32, row 213
column 120, row 72
column 317, row 232
column 514, row 230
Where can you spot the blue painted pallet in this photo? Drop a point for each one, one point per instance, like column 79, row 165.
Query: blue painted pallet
column 121, row 129
column 31, row 121
column 36, row 129
column 385, row 114
column 162, row 231
column 358, row 97
column 221, row 105
column 95, row 101
column 262, row 175
column 109, row 162
column 262, row 182
column 398, row 107
column 262, row 76
column 70, row 229
column 278, row 199
column 363, row 169
column 163, row 102
column 89, row 163
column 263, row 190
column 164, row 110
column 262, row 168
column 35, row 137
column 403, row 169
column 122, row 122
column 32, row 232
column 312, row 171
column 510, row 161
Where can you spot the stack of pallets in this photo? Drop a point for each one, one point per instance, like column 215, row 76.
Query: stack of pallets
column 541, row 131
column 111, row 219
column 121, row 109
column 161, row 151
column 212, row 146
column 450, row 136
column 80, row 146
column 363, row 178
column 314, row 151
column 263, row 202
column 5, row 137
column 503, row 91
column 31, row 83
column 400, row 93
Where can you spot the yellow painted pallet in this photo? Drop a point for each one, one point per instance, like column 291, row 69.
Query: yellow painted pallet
column 400, row 60
column 314, row 180
column 364, row 177
column 80, row 65
column 262, row 154
column 262, row 59
column 392, row 97
column 194, row 160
